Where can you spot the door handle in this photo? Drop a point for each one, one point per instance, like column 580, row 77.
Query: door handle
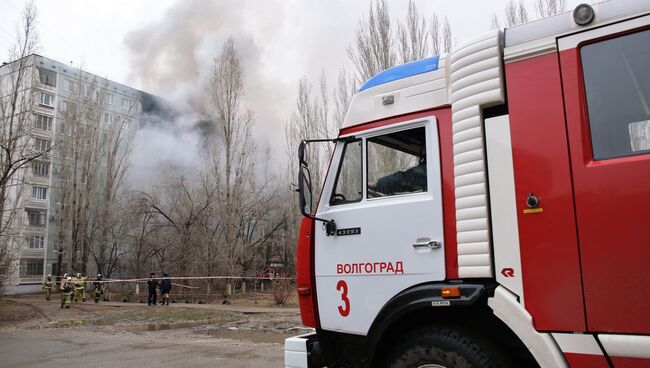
column 426, row 243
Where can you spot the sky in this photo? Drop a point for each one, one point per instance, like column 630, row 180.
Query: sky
column 166, row 47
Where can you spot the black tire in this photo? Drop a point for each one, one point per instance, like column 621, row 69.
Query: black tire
column 448, row 347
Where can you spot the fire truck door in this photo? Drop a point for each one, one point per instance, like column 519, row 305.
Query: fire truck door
column 607, row 99
column 384, row 193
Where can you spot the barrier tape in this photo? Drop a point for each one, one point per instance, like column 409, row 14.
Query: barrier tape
column 176, row 278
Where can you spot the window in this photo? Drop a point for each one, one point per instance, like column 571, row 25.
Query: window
column 36, row 217
column 397, row 163
column 127, row 103
column 46, row 99
column 55, row 269
column 47, row 77
column 41, row 168
column 69, row 107
column 109, row 99
column 42, row 145
column 31, row 267
column 107, row 118
column 43, row 122
column 617, row 85
column 71, row 86
column 35, row 241
column 39, row 192
column 349, row 179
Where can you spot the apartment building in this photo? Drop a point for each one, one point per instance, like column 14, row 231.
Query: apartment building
column 54, row 86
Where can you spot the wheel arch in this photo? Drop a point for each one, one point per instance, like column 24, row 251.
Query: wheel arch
column 421, row 305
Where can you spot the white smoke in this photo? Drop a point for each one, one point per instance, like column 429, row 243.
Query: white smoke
column 279, row 41
column 175, row 57
column 173, row 143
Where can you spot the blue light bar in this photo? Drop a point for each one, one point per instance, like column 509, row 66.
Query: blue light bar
column 403, row 71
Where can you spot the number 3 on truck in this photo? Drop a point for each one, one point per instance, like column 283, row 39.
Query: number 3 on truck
column 344, row 309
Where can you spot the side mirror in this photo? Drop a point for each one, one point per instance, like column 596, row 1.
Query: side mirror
column 304, row 187
column 304, row 190
column 301, row 153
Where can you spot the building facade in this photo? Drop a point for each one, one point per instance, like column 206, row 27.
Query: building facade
column 54, row 88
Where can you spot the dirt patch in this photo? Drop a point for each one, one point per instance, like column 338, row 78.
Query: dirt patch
column 34, row 312
column 12, row 311
column 240, row 334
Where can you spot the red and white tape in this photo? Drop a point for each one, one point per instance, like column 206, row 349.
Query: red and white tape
column 177, row 278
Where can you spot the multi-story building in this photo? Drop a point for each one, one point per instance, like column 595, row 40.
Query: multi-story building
column 54, row 86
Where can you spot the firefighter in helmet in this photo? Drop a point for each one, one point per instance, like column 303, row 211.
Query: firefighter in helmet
column 61, row 283
column 98, row 288
column 47, row 286
column 66, row 292
column 79, row 282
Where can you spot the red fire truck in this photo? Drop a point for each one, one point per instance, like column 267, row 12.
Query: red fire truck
column 489, row 207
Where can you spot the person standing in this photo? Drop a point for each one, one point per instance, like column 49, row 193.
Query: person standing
column 66, row 292
column 79, row 283
column 152, row 284
column 64, row 279
column 47, row 286
column 165, row 289
column 98, row 288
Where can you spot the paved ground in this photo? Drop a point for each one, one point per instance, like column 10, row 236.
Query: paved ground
column 36, row 333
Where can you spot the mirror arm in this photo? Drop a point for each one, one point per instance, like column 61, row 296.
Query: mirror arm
column 317, row 218
column 305, row 142
column 330, row 225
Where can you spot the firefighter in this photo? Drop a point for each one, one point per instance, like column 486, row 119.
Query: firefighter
column 66, row 292
column 61, row 283
column 79, row 283
column 98, row 288
column 47, row 286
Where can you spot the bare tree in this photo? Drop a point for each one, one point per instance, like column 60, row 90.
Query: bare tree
column 141, row 248
column 546, row 8
column 373, row 49
column 412, row 36
column 376, row 47
column 495, row 23
column 522, row 12
column 17, row 147
column 181, row 205
column 517, row 13
column 513, row 13
column 109, row 207
column 232, row 155
column 447, row 36
column 79, row 137
column 434, row 34
column 93, row 145
column 309, row 122
column 345, row 90
column 231, row 166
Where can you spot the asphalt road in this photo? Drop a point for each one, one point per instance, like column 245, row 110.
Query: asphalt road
column 37, row 333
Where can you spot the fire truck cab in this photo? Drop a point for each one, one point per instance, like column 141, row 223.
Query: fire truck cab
column 489, row 207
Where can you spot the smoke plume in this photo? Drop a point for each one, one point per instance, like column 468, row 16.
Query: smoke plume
column 174, row 57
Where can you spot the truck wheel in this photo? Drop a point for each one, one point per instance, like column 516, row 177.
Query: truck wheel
column 445, row 347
